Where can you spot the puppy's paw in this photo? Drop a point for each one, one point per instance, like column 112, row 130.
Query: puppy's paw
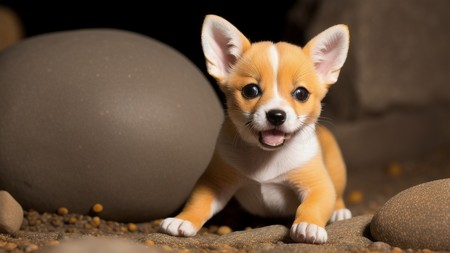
column 308, row 233
column 341, row 214
column 177, row 227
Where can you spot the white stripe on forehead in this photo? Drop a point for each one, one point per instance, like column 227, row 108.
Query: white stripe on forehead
column 274, row 60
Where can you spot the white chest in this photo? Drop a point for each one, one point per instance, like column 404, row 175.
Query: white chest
column 268, row 166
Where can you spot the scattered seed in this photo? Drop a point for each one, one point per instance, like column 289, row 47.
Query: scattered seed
column 132, row 227
column 56, row 222
column 72, row 219
column 396, row 250
column 223, row 230
column 149, row 243
column 95, row 221
column 394, row 169
column 62, row 211
column 355, row 197
column 97, row 208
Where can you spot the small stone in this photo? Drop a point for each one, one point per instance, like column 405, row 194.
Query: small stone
column 223, row 230
column 97, row 208
column 355, row 197
column 95, row 221
column 132, row 227
column 380, row 246
column 11, row 213
column 72, row 220
column 396, row 250
column 62, row 211
column 149, row 243
column 394, row 169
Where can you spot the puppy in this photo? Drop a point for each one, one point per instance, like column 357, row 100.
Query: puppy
column 270, row 154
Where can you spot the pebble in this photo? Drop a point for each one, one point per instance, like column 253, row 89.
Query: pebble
column 97, row 208
column 381, row 246
column 11, row 213
column 223, row 230
column 132, row 227
column 355, row 197
column 62, row 211
column 413, row 218
column 394, row 169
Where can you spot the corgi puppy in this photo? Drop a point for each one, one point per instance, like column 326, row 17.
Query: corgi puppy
column 270, row 153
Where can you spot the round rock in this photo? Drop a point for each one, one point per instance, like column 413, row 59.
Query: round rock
column 11, row 213
column 416, row 218
column 103, row 116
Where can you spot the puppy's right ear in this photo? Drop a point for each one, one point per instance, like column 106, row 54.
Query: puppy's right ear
column 223, row 44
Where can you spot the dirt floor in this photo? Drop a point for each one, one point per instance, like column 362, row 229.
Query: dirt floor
column 367, row 191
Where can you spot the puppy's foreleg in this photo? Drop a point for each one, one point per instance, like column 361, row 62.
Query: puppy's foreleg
column 318, row 196
column 211, row 193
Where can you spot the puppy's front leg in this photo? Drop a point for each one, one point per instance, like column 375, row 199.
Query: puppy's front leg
column 318, row 195
column 211, row 193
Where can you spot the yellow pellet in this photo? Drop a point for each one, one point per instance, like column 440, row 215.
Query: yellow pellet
column 394, row 169
column 132, row 227
column 62, row 211
column 149, row 243
column 223, row 230
column 96, row 221
column 355, row 197
column 97, row 208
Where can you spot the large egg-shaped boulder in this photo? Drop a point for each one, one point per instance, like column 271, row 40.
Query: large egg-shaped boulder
column 103, row 116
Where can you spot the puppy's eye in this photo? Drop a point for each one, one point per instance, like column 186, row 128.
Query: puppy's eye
column 301, row 94
column 250, row 91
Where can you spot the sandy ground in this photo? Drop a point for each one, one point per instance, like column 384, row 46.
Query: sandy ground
column 367, row 191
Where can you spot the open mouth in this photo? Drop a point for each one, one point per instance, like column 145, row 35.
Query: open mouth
column 273, row 138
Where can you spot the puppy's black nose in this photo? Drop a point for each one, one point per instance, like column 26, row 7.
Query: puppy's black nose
column 276, row 117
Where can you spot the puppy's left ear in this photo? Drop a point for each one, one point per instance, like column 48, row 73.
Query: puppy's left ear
column 328, row 52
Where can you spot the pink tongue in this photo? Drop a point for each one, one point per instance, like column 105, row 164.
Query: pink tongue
column 272, row 137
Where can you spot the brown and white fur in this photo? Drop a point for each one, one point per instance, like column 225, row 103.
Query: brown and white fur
column 270, row 154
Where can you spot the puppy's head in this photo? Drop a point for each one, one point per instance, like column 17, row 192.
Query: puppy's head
column 273, row 90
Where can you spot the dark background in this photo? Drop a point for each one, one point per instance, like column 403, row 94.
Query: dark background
column 176, row 23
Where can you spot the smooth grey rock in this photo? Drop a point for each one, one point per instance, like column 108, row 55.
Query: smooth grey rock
column 416, row 218
column 11, row 213
column 103, row 116
column 91, row 244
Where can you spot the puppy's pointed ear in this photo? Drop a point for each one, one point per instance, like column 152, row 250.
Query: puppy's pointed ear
column 328, row 52
column 222, row 45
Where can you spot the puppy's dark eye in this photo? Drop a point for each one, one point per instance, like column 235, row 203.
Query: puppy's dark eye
column 250, row 91
column 301, row 94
